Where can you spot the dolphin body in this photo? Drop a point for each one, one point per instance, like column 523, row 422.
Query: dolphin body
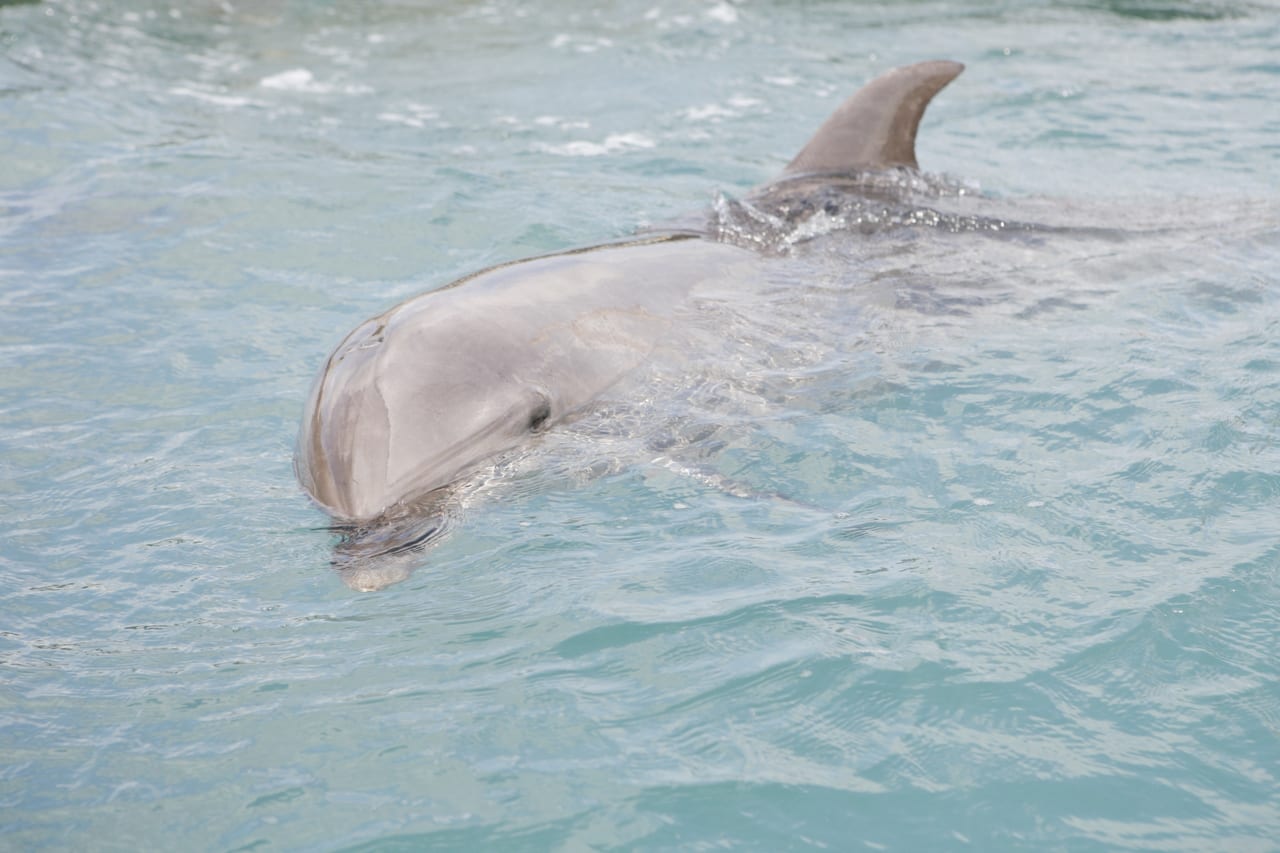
column 414, row 398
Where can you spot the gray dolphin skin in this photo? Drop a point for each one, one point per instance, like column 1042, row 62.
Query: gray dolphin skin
column 415, row 398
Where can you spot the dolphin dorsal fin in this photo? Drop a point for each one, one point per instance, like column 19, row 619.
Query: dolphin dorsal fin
column 876, row 127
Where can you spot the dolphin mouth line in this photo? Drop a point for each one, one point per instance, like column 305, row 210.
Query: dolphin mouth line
column 353, row 533
column 414, row 544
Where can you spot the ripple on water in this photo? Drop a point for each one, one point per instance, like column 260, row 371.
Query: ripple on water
column 958, row 532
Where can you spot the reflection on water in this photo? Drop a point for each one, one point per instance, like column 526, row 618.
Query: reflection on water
column 375, row 557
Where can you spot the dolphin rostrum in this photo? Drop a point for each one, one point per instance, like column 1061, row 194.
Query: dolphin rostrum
column 414, row 398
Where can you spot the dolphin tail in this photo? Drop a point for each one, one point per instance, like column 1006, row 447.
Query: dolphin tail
column 876, row 127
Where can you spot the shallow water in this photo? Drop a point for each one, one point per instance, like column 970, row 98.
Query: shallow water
column 946, row 540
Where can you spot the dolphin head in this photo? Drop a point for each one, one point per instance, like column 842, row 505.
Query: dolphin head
column 406, row 404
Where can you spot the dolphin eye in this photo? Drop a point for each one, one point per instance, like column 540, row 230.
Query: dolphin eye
column 540, row 415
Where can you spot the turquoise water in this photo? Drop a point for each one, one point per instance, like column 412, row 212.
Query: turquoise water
column 937, row 540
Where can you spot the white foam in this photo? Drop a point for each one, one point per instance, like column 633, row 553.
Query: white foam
column 709, row 112
column 612, row 143
column 413, row 115
column 715, row 112
column 212, row 98
column 293, row 80
column 724, row 13
column 581, row 45
column 302, row 80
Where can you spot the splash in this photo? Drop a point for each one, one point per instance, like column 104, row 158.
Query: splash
column 804, row 208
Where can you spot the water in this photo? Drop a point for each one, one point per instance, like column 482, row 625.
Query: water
column 1005, row 576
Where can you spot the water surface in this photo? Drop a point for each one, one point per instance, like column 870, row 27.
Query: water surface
column 1005, row 574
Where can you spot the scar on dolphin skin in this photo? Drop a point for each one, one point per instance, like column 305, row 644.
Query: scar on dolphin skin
column 416, row 398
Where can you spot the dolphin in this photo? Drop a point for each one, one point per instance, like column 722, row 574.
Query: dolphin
column 418, row 396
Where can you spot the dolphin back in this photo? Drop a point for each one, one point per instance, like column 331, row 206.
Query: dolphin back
column 875, row 128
